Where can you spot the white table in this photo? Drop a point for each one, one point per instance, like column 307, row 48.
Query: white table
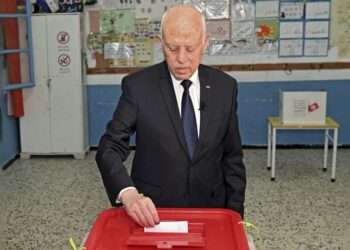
column 274, row 124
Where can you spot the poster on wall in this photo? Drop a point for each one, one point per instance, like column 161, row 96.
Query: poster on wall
column 317, row 29
column 291, row 29
column 241, row 30
column 143, row 54
column 217, row 9
column 117, row 21
column 316, row 47
column 317, row 10
column 242, row 11
column 219, row 30
column 291, row 47
column 267, row 9
column 291, row 10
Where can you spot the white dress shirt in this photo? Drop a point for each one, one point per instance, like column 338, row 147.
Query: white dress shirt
column 194, row 94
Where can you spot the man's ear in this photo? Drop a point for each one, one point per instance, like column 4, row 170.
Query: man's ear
column 206, row 41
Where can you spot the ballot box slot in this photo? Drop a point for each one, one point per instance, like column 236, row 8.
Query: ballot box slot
column 194, row 238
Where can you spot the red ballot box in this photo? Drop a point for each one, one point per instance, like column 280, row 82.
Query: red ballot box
column 214, row 229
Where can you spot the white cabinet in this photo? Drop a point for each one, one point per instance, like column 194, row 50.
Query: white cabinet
column 55, row 120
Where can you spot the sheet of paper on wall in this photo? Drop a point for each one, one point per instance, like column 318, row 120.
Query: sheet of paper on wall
column 317, row 10
column 316, row 47
column 170, row 3
column 157, row 53
column 125, row 22
column 108, row 4
column 121, row 54
column 117, row 21
column 317, row 29
column 143, row 54
column 220, row 48
column 266, row 28
column 242, row 11
column 243, row 29
column 107, row 20
column 198, row 4
column 110, row 50
column 125, row 4
column 292, row 29
column 267, row 9
column 244, row 46
column 291, row 10
column 291, row 47
column 219, row 30
column 266, row 46
column 147, row 30
column 150, row 8
column 217, row 9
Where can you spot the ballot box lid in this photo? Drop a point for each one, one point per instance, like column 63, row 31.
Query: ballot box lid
column 208, row 228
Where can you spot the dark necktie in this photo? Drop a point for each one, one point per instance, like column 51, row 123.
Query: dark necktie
column 188, row 118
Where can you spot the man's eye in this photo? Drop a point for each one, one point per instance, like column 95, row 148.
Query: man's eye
column 172, row 49
column 190, row 49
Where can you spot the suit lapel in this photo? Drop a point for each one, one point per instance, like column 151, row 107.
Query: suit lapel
column 168, row 93
column 205, row 98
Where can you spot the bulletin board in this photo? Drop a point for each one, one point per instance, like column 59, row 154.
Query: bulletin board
column 245, row 35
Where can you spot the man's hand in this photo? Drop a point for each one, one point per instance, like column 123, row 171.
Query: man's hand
column 139, row 208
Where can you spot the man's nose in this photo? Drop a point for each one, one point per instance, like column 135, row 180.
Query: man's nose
column 182, row 55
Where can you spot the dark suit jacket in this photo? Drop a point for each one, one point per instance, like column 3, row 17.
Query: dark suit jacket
column 162, row 169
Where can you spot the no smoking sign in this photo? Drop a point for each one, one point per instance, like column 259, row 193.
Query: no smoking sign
column 64, row 60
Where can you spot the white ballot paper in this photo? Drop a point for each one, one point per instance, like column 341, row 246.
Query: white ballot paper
column 169, row 227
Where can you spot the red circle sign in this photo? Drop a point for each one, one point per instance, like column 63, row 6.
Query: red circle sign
column 63, row 37
column 64, row 60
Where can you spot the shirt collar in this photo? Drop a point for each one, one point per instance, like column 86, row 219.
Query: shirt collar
column 194, row 79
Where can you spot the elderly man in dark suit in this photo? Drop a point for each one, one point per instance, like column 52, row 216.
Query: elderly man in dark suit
column 188, row 146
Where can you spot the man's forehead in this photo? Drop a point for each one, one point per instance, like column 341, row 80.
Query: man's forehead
column 172, row 36
column 187, row 42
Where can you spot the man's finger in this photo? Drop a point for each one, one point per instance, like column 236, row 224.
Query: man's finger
column 140, row 208
column 138, row 215
column 153, row 211
column 144, row 205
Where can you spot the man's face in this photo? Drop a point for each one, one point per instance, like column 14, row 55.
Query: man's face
column 183, row 48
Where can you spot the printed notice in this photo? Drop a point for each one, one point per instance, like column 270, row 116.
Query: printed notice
column 317, row 10
column 291, row 29
column 299, row 107
column 291, row 47
column 291, row 10
column 219, row 29
column 243, row 30
column 266, row 9
column 317, row 29
column 316, row 47
column 217, row 9
column 242, row 11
